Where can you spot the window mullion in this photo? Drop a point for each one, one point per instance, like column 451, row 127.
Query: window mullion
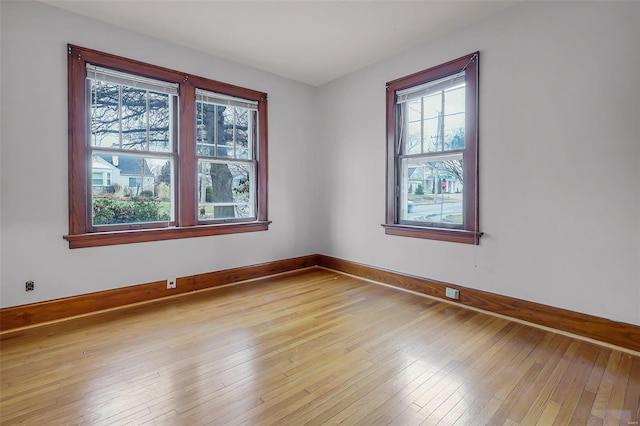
column 233, row 131
column 148, row 119
column 215, row 138
column 250, row 139
column 120, row 116
column 422, row 124
column 398, row 148
column 187, row 163
column 442, row 121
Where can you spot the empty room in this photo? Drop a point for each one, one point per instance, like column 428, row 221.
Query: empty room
column 319, row 212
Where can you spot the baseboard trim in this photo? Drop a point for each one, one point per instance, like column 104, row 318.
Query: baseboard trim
column 589, row 326
column 17, row 317
column 600, row 329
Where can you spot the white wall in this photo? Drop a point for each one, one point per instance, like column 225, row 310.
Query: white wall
column 34, row 164
column 559, row 160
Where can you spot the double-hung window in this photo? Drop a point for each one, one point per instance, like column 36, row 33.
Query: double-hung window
column 432, row 153
column 132, row 132
column 157, row 154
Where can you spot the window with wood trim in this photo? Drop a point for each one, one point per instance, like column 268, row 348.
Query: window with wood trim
column 157, row 154
column 432, row 153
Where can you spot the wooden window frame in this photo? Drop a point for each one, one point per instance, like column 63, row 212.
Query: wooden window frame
column 470, row 233
column 81, row 233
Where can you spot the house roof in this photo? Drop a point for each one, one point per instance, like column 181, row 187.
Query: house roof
column 128, row 165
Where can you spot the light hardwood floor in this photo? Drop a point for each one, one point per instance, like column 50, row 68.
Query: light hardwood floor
column 311, row 347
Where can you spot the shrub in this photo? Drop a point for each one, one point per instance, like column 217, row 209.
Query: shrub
column 112, row 189
column 107, row 211
column 420, row 189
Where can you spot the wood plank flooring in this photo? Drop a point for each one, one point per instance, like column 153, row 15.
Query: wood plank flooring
column 312, row 347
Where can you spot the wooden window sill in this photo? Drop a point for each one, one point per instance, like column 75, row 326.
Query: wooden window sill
column 97, row 239
column 441, row 234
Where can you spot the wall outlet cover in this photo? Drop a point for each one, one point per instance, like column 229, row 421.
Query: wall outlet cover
column 452, row 293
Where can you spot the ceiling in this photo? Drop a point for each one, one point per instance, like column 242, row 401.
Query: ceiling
column 309, row 41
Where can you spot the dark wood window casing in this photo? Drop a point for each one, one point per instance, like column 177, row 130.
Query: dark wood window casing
column 81, row 231
column 469, row 232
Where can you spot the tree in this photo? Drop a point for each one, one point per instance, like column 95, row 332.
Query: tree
column 454, row 167
column 165, row 174
column 128, row 117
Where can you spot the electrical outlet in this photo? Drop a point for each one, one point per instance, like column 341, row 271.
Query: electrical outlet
column 452, row 293
column 29, row 286
column 171, row 282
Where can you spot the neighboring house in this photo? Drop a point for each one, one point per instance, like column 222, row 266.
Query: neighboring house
column 132, row 174
column 431, row 183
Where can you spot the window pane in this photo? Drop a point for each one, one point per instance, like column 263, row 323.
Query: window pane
column 159, row 123
column 436, row 132
column 454, row 100
column 105, row 116
column 432, row 191
column 225, row 190
column 431, row 129
column 432, row 105
column 414, row 110
column 414, row 138
column 134, row 118
column 226, row 117
column 432, row 122
column 242, row 133
column 139, row 190
column 127, row 118
column 454, row 120
column 224, row 131
column 205, row 129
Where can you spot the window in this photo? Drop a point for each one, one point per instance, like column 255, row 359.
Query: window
column 97, row 179
column 156, row 154
column 100, row 178
column 432, row 153
column 225, row 132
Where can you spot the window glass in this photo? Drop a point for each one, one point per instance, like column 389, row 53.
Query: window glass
column 133, row 116
column 127, row 118
column 105, row 114
column 225, row 190
column 224, row 131
column 140, row 191
column 432, row 191
column 160, row 122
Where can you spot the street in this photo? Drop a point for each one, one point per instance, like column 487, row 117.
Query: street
column 431, row 212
